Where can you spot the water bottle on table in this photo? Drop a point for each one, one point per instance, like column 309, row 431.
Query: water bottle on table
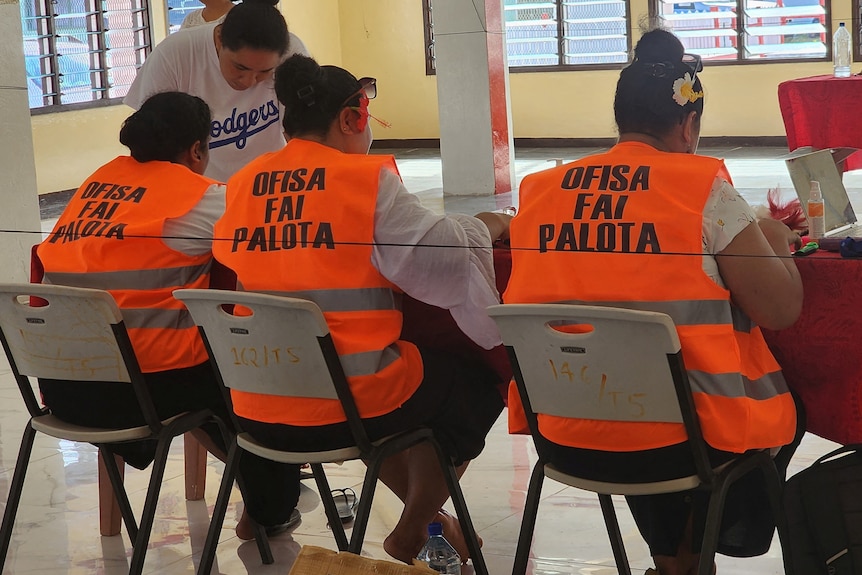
column 842, row 52
column 438, row 553
column 816, row 211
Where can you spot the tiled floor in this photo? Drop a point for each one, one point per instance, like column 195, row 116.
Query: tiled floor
column 57, row 527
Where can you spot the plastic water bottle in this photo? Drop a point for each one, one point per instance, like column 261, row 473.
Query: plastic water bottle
column 816, row 224
column 842, row 52
column 438, row 553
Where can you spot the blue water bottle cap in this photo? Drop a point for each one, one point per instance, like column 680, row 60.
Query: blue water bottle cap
column 435, row 529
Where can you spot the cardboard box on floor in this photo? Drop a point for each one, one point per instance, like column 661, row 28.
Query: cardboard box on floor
column 319, row 561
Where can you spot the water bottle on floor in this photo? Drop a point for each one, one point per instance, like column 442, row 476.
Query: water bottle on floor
column 438, row 553
column 842, row 52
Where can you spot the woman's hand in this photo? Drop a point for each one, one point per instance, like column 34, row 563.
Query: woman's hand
column 778, row 234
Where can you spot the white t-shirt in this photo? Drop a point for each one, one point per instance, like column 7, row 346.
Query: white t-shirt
column 725, row 214
column 407, row 240
column 196, row 18
column 246, row 123
column 192, row 233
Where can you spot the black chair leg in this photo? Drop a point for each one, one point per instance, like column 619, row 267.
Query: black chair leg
column 262, row 542
column 329, row 507
column 713, row 526
column 15, row 490
column 260, row 537
column 120, row 492
column 363, row 512
column 139, row 552
column 614, row 533
column 775, row 490
column 528, row 522
column 219, row 510
column 460, row 505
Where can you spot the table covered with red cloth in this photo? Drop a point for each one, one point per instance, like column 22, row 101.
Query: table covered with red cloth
column 820, row 111
column 820, row 354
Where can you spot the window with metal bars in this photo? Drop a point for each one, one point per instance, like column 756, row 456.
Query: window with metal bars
column 80, row 52
column 557, row 34
column 177, row 11
column 749, row 30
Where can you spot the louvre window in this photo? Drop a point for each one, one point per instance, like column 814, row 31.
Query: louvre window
column 557, row 34
column 177, row 10
column 82, row 51
column 749, row 30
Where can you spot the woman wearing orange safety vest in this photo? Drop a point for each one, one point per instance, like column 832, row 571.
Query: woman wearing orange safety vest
column 322, row 220
column 140, row 227
column 646, row 225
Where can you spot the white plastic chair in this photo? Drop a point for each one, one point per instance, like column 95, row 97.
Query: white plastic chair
column 622, row 354
column 312, row 369
column 77, row 334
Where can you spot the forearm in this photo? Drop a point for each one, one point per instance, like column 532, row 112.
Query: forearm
column 498, row 224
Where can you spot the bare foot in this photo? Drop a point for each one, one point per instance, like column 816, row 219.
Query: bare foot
column 403, row 548
column 244, row 528
column 453, row 534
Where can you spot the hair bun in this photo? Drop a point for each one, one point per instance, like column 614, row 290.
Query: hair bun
column 659, row 45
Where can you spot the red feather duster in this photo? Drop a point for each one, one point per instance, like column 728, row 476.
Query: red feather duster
column 790, row 213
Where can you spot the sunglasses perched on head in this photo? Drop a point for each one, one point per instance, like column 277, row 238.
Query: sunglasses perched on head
column 694, row 62
column 368, row 87
column 366, row 92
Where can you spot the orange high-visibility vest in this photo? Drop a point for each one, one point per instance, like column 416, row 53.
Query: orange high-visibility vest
column 300, row 222
column 109, row 237
column 624, row 229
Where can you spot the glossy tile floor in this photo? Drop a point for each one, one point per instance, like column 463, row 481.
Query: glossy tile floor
column 57, row 527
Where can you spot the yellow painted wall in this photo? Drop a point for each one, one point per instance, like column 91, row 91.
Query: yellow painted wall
column 69, row 146
column 318, row 24
column 384, row 39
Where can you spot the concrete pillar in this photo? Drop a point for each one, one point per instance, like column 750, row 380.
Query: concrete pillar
column 20, row 204
column 473, row 94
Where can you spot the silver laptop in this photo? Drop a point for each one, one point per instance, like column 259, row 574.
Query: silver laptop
column 806, row 165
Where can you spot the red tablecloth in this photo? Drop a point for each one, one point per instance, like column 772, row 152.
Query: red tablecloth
column 820, row 354
column 820, row 112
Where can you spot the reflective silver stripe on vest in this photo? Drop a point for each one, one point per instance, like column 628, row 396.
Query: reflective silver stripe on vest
column 131, row 279
column 346, row 300
column 335, row 300
column 735, row 385
column 157, row 318
column 686, row 312
column 741, row 321
column 369, row 362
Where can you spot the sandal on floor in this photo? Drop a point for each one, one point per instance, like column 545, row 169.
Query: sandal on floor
column 305, row 472
column 345, row 502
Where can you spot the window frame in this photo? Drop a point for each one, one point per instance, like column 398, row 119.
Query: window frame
column 857, row 33
column 184, row 10
column 46, row 38
column 740, row 34
column 428, row 28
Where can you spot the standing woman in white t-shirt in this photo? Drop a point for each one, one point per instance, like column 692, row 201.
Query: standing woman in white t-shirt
column 213, row 11
column 228, row 65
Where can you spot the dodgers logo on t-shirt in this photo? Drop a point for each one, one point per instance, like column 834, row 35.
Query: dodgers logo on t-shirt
column 238, row 127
